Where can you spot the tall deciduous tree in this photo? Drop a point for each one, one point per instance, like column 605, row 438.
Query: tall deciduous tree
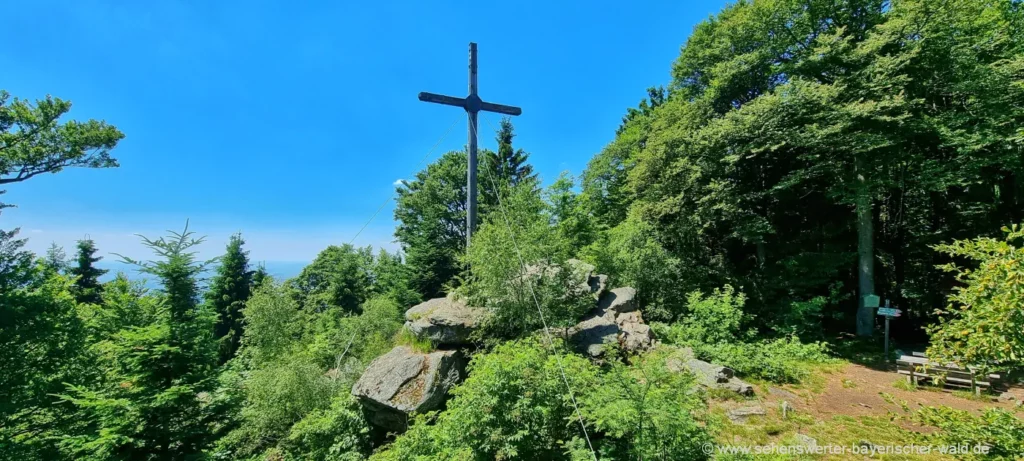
column 338, row 278
column 229, row 290
column 816, row 149
column 33, row 141
column 88, row 288
column 431, row 215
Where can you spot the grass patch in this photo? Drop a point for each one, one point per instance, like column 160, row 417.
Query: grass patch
column 405, row 337
column 904, row 385
column 970, row 395
column 723, row 395
column 849, row 384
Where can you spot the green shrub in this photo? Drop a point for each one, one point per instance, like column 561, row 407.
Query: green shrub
column 713, row 328
column 497, row 279
column 514, row 405
column 995, row 428
column 983, row 322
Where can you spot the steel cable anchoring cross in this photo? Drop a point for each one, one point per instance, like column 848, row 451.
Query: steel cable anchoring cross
column 533, row 294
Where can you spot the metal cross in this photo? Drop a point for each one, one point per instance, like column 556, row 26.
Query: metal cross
column 472, row 104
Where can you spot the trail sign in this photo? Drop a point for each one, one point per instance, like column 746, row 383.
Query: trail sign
column 871, row 301
column 889, row 311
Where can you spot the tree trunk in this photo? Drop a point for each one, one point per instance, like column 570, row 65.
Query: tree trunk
column 865, row 253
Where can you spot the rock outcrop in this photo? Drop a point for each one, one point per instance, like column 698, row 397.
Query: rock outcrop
column 707, row 374
column 614, row 320
column 404, row 381
column 444, row 321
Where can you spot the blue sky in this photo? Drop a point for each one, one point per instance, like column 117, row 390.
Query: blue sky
column 291, row 123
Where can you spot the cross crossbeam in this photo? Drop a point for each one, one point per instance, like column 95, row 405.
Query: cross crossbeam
column 472, row 104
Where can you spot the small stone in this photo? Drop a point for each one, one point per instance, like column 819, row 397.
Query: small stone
column 806, row 440
column 782, row 393
column 739, row 415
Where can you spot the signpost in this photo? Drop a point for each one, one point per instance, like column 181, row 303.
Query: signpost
column 888, row 313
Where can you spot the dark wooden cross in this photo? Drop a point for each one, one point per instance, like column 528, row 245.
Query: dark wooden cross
column 472, row 104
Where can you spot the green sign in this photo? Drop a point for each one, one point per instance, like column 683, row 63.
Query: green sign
column 889, row 311
column 871, row 301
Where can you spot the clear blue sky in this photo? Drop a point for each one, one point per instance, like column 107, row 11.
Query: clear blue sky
column 291, row 123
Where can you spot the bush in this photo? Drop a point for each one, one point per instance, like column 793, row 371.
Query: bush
column 995, row 428
column 514, row 405
column 982, row 324
column 498, row 280
column 632, row 256
column 713, row 328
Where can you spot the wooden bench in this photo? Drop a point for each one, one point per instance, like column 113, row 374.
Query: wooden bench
column 917, row 368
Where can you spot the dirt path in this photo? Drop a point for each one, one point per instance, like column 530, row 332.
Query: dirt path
column 855, row 390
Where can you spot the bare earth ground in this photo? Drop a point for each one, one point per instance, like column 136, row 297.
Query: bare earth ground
column 844, row 406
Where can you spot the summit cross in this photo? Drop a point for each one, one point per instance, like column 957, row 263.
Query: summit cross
column 473, row 105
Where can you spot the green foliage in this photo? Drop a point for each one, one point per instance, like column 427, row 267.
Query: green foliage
column 983, row 325
column 785, row 116
column 337, row 433
column 645, row 411
column 431, row 209
column 431, row 216
column 339, row 277
column 56, row 260
column 228, row 292
column 153, row 397
column 631, row 255
column 42, row 339
column 33, row 141
column 272, row 324
column 505, row 169
column 514, row 405
column 714, row 329
column 569, row 216
column 998, row 429
column 87, row 286
column 126, row 304
column 292, row 377
column 716, row 318
column 393, row 279
column 516, row 262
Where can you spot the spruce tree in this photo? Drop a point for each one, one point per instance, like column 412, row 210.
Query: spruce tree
column 259, row 276
column 229, row 290
column 87, row 287
column 56, row 260
column 155, row 402
column 506, row 168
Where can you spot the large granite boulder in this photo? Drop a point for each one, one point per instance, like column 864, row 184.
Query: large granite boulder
column 614, row 320
column 444, row 321
column 581, row 278
column 707, row 374
column 404, row 381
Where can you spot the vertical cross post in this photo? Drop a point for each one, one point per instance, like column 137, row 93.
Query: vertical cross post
column 473, row 105
column 471, row 194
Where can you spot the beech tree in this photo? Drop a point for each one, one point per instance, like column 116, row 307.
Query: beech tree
column 34, row 141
